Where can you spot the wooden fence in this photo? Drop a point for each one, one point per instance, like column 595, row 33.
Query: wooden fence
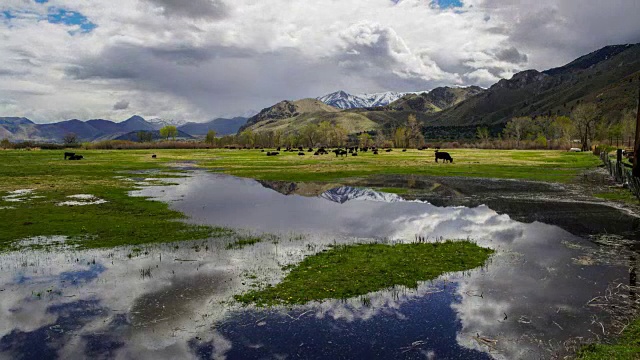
column 621, row 173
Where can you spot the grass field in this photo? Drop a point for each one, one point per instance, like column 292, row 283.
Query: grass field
column 346, row 271
column 126, row 220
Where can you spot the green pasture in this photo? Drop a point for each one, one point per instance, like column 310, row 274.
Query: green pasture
column 128, row 220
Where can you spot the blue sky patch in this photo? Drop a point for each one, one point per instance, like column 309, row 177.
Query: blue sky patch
column 55, row 15
column 71, row 18
column 447, row 3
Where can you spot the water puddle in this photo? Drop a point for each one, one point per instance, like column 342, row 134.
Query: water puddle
column 541, row 293
column 82, row 200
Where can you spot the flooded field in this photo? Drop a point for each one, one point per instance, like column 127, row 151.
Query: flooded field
column 561, row 264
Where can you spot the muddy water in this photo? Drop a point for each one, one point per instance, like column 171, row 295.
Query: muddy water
column 176, row 300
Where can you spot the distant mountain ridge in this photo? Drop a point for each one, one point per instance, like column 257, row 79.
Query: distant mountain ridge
column 607, row 77
column 221, row 126
column 20, row 129
column 288, row 109
column 438, row 99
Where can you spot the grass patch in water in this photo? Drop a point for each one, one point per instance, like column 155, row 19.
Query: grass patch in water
column 243, row 241
column 346, row 271
column 627, row 347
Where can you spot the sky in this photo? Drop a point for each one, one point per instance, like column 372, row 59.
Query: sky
column 201, row 59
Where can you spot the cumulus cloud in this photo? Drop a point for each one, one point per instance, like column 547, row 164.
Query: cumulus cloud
column 194, row 8
column 121, row 105
column 200, row 59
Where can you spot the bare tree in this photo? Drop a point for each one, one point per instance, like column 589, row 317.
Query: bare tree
column 584, row 118
column 70, row 138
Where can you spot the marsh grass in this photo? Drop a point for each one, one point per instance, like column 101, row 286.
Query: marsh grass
column 346, row 271
column 619, row 195
column 627, row 347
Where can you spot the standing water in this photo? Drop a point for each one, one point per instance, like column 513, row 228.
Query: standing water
column 534, row 298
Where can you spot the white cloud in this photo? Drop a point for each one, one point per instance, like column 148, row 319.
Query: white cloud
column 207, row 58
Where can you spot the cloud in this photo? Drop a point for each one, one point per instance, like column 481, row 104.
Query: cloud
column 212, row 9
column 201, row 59
column 511, row 55
column 121, row 105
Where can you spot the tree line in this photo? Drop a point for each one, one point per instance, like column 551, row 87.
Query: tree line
column 585, row 125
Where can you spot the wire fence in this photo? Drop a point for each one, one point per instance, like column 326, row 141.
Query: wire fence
column 621, row 174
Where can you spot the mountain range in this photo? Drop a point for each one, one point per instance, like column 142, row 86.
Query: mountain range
column 343, row 100
column 19, row 128
column 607, row 77
column 290, row 116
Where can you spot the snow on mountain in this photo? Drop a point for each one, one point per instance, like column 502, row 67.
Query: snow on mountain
column 343, row 100
column 159, row 123
column 343, row 194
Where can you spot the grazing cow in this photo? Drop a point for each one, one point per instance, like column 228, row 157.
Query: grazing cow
column 404, row 150
column 153, row 156
column 354, row 154
column 444, row 156
column 300, row 153
column 340, row 152
column 388, row 150
column 68, row 154
column 76, row 157
column 375, row 152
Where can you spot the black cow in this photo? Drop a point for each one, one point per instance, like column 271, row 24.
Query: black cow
column 444, row 156
column 68, row 154
column 272, row 153
column 76, row 157
column 340, row 152
column 388, row 150
column 301, row 153
column 153, row 156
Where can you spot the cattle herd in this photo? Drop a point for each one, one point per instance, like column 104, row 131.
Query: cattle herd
column 353, row 151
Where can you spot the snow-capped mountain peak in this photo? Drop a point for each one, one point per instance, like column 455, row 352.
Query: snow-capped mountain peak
column 158, row 122
column 343, row 194
column 344, row 100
